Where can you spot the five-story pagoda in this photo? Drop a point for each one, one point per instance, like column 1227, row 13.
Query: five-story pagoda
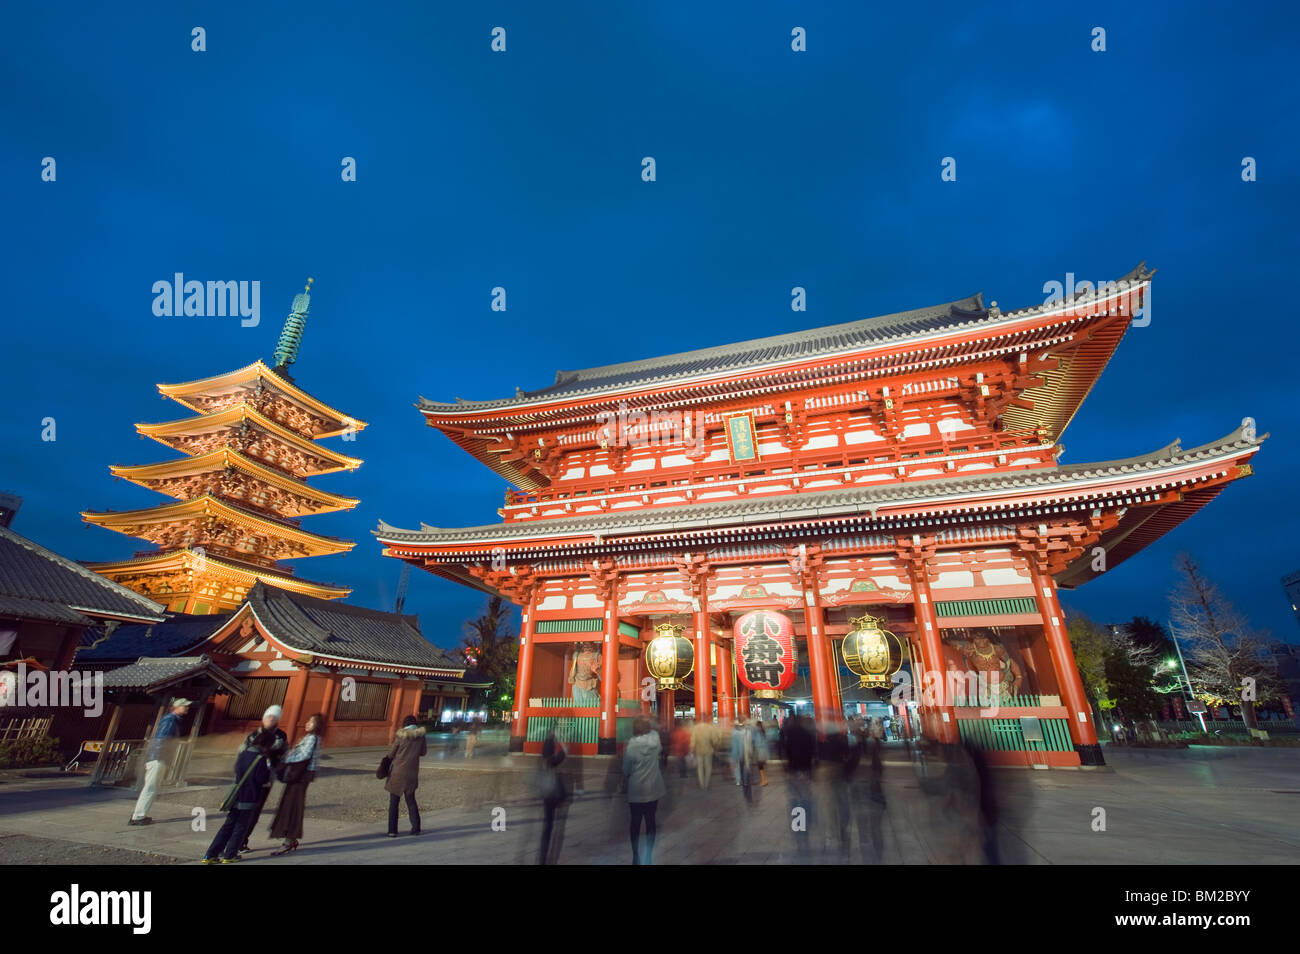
column 241, row 489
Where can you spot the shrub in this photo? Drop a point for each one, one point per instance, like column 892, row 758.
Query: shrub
column 24, row 753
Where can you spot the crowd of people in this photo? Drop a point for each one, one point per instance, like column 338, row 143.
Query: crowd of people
column 833, row 774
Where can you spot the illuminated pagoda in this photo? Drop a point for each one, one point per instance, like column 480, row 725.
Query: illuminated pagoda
column 902, row 469
column 240, row 492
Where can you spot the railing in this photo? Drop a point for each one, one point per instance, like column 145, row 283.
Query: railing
column 1005, row 735
column 115, row 761
column 567, row 728
column 697, row 478
column 17, row 728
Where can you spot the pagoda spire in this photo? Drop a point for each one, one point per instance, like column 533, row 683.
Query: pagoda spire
column 286, row 350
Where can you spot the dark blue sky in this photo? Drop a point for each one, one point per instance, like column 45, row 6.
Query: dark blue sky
column 522, row 169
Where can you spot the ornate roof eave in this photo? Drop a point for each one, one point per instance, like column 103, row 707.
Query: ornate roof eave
column 207, row 504
column 245, row 412
column 144, row 474
column 986, row 320
column 973, row 493
column 247, row 573
column 251, row 373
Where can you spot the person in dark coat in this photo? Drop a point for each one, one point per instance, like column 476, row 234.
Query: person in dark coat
column 404, row 776
column 251, row 774
column 274, row 754
column 800, row 743
column 551, row 787
column 299, row 771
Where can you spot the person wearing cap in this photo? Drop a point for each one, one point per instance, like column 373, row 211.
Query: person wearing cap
column 270, row 739
column 159, row 753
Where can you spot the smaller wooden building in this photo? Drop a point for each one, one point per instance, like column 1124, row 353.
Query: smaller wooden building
column 364, row 669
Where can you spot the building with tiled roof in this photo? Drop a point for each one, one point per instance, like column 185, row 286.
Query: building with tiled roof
column 895, row 473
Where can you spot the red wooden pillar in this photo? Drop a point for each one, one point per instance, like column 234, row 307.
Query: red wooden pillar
column 744, row 704
column 1082, row 730
column 726, row 697
column 667, row 708
column 523, row 679
column 703, row 670
column 293, row 703
column 934, row 678
column 327, row 703
column 607, row 737
column 818, row 670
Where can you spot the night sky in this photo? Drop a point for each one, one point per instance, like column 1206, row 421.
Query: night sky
column 522, row 169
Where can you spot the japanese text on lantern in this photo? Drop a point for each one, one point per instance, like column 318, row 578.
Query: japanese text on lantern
column 765, row 650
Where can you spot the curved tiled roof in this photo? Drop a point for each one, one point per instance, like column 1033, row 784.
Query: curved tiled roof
column 825, row 503
column 177, row 633
column 954, row 316
column 332, row 628
column 31, row 575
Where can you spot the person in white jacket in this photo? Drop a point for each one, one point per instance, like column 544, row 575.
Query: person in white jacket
column 645, row 785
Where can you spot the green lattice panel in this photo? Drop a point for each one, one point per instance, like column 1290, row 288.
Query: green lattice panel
column 568, row 728
column 1004, row 735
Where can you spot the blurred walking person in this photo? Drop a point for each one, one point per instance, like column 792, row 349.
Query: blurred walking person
column 762, row 751
column 274, row 754
column 645, row 786
column 297, row 771
column 404, row 773
column 252, row 772
column 702, row 745
column 550, row 786
column 799, row 743
column 160, row 752
column 680, row 745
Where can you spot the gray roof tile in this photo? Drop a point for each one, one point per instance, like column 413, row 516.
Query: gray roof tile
column 30, row 572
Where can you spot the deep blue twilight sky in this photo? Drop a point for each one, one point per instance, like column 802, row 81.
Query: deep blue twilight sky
column 522, row 169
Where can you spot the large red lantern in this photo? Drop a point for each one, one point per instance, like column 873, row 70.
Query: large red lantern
column 765, row 660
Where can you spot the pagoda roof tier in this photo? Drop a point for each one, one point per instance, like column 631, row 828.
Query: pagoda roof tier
column 185, row 434
column 1173, row 481
column 168, row 478
column 207, row 515
column 241, row 387
column 246, row 574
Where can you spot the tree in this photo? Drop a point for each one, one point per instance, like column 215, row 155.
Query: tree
column 492, row 652
column 1130, row 686
column 1091, row 642
column 1227, row 661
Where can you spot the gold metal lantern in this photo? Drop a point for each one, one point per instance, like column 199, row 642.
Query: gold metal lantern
column 669, row 656
column 872, row 653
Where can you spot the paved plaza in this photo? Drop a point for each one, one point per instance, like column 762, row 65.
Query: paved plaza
column 1199, row 805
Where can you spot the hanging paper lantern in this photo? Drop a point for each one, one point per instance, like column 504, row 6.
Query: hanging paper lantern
column 669, row 656
column 872, row 654
column 764, row 648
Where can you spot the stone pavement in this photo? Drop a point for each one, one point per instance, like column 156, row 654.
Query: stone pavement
column 1201, row 805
